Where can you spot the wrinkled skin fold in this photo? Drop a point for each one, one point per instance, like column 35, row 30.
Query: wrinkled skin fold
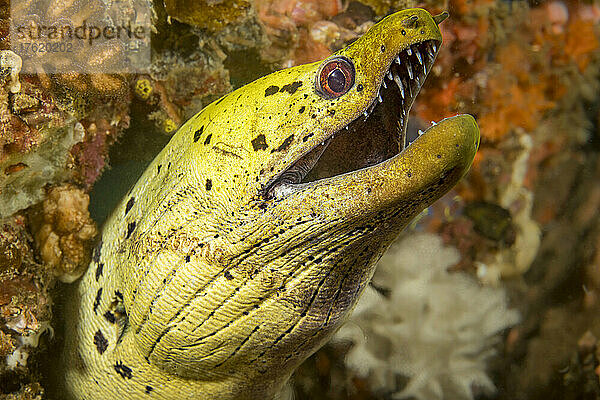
column 250, row 237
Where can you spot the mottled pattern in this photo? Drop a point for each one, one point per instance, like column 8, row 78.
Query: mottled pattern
column 205, row 287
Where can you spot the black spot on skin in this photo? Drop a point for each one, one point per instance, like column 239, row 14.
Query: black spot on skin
column 305, row 138
column 208, row 184
column 271, row 90
column 286, row 143
column 187, row 258
column 79, row 363
column 149, row 389
column 198, row 133
column 291, row 88
column 97, row 300
column 130, row 229
column 119, row 295
column 96, row 254
column 100, row 342
column 158, row 167
column 359, row 87
column 301, row 110
column 99, row 269
column 123, row 370
column 110, row 317
column 207, row 140
column 129, row 204
column 382, row 48
column 259, row 143
column 228, row 275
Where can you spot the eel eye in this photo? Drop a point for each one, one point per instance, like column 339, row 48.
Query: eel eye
column 335, row 78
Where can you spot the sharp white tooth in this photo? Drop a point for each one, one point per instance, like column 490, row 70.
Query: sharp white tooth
column 409, row 69
column 366, row 115
column 409, row 51
column 389, row 76
column 397, row 60
column 384, row 85
column 433, row 123
column 346, row 127
column 434, row 46
column 399, row 83
column 420, row 132
column 379, row 97
column 418, row 54
column 430, row 53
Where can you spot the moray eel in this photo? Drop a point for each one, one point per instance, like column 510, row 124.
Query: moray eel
column 251, row 236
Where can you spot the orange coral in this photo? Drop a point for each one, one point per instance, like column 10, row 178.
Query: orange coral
column 581, row 42
column 438, row 105
column 511, row 105
column 464, row 7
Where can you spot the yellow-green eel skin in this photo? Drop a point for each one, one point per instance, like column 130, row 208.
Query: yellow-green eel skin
column 204, row 287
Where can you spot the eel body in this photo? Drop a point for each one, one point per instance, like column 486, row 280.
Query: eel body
column 250, row 237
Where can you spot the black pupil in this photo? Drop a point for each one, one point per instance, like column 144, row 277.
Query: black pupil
column 336, row 80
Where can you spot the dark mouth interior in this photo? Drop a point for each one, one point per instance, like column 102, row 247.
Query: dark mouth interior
column 375, row 136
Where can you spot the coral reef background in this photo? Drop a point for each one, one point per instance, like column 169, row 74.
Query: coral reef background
column 502, row 301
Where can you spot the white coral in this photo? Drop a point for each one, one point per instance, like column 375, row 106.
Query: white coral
column 435, row 328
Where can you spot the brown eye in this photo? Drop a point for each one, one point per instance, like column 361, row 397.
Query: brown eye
column 335, row 77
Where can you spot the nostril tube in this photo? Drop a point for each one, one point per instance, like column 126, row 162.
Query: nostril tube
column 441, row 17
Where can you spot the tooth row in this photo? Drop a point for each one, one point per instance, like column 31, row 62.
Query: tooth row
column 431, row 50
column 399, row 83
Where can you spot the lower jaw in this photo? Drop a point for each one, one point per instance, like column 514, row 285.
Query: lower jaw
column 418, row 175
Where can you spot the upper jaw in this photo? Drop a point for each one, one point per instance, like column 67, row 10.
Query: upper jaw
column 385, row 116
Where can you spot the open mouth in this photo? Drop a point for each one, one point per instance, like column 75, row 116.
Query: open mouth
column 375, row 136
